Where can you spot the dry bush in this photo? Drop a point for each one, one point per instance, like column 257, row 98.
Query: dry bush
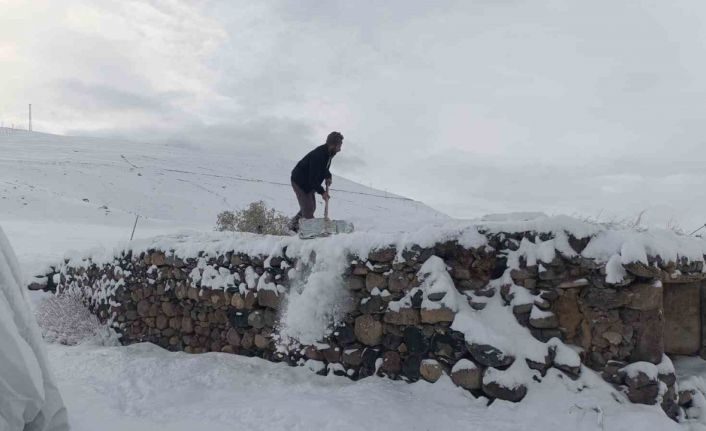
column 256, row 218
column 64, row 319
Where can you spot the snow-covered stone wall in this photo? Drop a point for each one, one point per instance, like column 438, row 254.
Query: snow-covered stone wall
column 494, row 307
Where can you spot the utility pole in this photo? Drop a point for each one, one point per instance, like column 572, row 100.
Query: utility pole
column 30, row 117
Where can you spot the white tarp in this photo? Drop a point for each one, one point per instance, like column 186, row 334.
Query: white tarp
column 29, row 397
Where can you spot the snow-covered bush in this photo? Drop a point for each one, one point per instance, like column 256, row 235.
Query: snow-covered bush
column 64, row 319
column 256, row 218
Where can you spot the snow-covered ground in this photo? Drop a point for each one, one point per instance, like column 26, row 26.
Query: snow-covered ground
column 142, row 387
column 60, row 193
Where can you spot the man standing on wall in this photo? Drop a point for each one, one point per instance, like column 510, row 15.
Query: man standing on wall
column 308, row 174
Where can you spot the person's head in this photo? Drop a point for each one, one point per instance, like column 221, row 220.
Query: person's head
column 334, row 140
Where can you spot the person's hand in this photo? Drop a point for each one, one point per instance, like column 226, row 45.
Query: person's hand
column 328, row 182
column 326, row 196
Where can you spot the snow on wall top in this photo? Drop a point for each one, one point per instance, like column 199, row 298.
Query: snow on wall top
column 605, row 244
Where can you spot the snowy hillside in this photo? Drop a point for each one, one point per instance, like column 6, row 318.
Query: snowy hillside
column 59, row 193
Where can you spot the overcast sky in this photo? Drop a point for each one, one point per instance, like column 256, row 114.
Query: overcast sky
column 578, row 107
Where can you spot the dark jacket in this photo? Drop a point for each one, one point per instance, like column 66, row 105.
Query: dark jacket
column 310, row 172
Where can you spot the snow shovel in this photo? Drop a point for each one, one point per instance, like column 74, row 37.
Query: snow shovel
column 322, row 227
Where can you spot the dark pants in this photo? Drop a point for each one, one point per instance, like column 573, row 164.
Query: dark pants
column 307, row 205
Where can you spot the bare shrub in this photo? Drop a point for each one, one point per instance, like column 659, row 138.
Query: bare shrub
column 64, row 319
column 256, row 218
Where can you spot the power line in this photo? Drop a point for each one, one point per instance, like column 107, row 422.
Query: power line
column 255, row 180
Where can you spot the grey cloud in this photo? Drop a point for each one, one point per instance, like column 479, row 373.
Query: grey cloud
column 476, row 107
column 110, row 97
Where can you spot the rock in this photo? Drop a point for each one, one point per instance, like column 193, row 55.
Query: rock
column 670, row 403
column 543, row 304
column 187, row 325
column 157, row 258
column 494, row 388
column 356, row 283
column 476, row 305
column 261, row 342
column 645, row 296
column 605, row 298
column 332, row 354
column 237, row 301
column 641, row 270
column 461, row 273
column 521, row 274
column 445, row 346
column 410, row 367
column 490, row 356
column 161, row 322
column 405, row 316
column 430, row 370
column 581, row 282
column 247, row 340
column 437, row 315
column 391, row 363
column 256, row 319
column 417, row 298
column 391, row 341
column 467, row 375
column 217, row 297
column 313, row 353
column 352, row 357
column 414, row 340
column 436, row 296
column 565, row 359
column 643, row 395
column 543, row 319
column 143, row 308
column 611, row 372
column 522, row 308
column 383, row 255
column 193, row 293
column 397, row 283
column 239, row 259
column 612, row 337
column 668, row 379
column 685, row 397
column 180, row 290
column 567, row 310
column 250, row 300
column 551, row 274
column 360, row 270
column 233, row 337
column 372, row 305
column 368, row 330
column 542, row 367
column 650, row 337
column 344, row 335
column 637, row 379
column 368, row 362
column 238, row 318
column 169, row 309
column 269, row 298
column 373, row 280
column 682, row 318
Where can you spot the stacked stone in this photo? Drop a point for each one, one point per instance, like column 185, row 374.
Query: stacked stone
column 157, row 300
column 159, row 297
column 615, row 324
column 411, row 343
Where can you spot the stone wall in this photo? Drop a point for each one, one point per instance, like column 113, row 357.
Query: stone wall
column 396, row 325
